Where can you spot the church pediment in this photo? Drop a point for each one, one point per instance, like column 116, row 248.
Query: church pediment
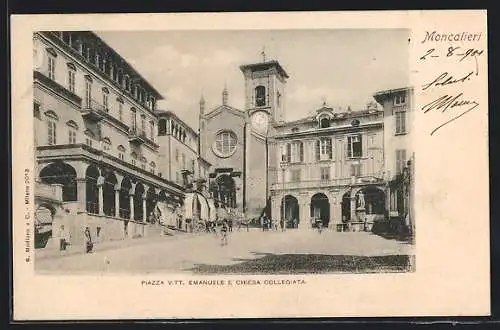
column 225, row 109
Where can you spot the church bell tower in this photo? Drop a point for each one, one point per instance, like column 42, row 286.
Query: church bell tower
column 264, row 107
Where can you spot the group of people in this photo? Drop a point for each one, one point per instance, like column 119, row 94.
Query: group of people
column 65, row 237
column 270, row 224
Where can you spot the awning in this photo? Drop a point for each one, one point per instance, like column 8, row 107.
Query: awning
column 212, row 210
column 205, row 209
column 188, row 205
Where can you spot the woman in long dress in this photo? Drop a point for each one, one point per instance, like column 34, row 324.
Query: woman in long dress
column 88, row 241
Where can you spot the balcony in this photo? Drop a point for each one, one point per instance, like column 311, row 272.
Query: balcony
column 313, row 184
column 137, row 136
column 40, row 78
column 48, row 192
column 93, row 111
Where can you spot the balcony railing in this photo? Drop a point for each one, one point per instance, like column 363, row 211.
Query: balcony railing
column 93, row 111
column 47, row 191
column 136, row 135
column 306, row 184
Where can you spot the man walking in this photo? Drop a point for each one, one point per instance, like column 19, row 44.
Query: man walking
column 223, row 232
column 62, row 239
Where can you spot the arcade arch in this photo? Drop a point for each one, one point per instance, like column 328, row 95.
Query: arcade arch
column 320, row 208
column 61, row 173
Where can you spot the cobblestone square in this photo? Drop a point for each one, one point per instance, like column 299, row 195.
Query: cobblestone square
column 253, row 252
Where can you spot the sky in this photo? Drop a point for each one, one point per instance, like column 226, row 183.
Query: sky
column 340, row 67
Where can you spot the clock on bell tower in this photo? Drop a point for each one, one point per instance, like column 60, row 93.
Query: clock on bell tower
column 264, row 93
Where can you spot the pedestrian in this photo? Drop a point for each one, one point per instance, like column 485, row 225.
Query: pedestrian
column 230, row 225
column 319, row 224
column 224, row 231
column 89, row 245
column 282, row 224
column 263, row 222
column 62, row 239
column 294, row 222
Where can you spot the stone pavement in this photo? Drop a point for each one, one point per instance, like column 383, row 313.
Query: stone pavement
column 50, row 253
column 247, row 252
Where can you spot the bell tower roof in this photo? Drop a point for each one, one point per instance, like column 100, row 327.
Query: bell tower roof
column 263, row 66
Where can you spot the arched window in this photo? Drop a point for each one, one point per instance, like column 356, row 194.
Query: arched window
column 143, row 162
column 152, row 167
column 162, row 127
column 324, row 122
column 260, row 96
column 72, row 128
column 133, row 156
column 127, row 83
column 121, row 152
column 106, row 144
column 119, row 77
column 90, row 136
column 51, row 118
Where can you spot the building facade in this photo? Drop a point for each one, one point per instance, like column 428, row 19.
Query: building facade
column 399, row 160
column 179, row 157
column 96, row 136
column 331, row 166
column 222, row 144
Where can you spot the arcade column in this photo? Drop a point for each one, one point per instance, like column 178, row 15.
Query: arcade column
column 334, row 217
column 101, row 199
column 275, row 208
column 305, row 216
column 353, row 207
column 117, row 202
column 81, row 186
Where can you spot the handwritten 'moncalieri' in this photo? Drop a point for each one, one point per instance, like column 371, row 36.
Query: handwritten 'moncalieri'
column 447, row 37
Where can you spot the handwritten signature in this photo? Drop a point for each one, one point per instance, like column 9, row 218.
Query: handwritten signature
column 445, row 79
column 448, row 102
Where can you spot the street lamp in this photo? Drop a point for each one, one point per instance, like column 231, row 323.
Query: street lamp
column 407, row 194
column 283, row 165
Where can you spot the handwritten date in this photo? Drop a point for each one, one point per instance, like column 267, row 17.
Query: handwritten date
column 453, row 52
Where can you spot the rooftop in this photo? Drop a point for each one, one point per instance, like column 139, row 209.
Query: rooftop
column 93, row 37
column 336, row 114
column 169, row 113
column 264, row 66
column 381, row 95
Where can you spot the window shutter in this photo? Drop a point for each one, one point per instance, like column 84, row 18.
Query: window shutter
column 288, row 152
column 403, row 122
column 318, row 150
column 398, row 121
column 301, row 151
column 349, row 147
column 364, row 145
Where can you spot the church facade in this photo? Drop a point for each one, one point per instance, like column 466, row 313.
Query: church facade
column 238, row 142
column 329, row 165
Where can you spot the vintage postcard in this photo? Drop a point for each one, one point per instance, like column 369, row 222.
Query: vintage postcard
column 250, row 165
